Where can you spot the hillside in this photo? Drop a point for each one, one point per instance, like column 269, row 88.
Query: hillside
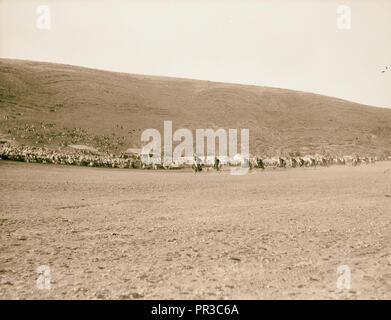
column 54, row 105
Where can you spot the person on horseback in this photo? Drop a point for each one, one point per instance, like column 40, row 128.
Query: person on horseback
column 217, row 164
column 197, row 164
column 260, row 163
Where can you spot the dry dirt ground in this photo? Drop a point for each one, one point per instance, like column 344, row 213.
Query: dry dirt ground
column 130, row 234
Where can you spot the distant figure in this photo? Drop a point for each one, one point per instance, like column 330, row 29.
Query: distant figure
column 386, row 68
column 282, row 163
column 260, row 163
column 217, row 164
column 197, row 164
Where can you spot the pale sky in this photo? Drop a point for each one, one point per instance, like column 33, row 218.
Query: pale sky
column 292, row 44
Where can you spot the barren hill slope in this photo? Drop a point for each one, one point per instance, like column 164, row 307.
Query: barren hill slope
column 52, row 104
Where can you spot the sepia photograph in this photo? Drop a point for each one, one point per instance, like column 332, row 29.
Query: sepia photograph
column 195, row 150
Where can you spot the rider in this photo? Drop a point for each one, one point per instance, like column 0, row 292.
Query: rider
column 217, row 164
column 260, row 163
column 197, row 163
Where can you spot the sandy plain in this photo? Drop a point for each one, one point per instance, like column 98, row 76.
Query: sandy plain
column 133, row 234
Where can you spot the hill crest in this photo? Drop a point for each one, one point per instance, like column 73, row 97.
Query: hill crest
column 54, row 104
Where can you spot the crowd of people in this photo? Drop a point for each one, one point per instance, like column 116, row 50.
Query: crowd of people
column 68, row 156
column 311, row 161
